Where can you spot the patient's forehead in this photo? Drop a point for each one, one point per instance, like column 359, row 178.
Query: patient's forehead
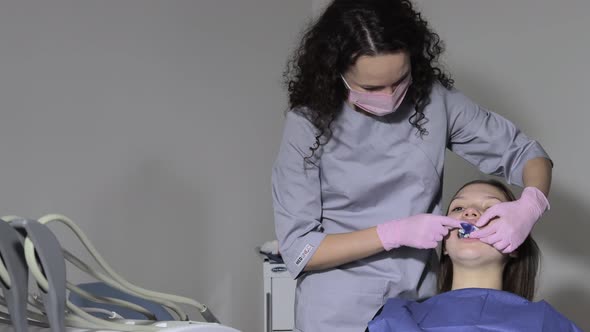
column 480, row 191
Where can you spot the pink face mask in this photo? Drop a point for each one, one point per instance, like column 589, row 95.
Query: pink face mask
column 377, row 103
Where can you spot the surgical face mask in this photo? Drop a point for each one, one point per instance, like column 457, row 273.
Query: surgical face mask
column 377, row 103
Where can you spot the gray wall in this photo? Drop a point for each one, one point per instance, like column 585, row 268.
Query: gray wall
column 153, row 125
column 528, row 60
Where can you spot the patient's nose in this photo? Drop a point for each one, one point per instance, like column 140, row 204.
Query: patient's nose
column 471, row 213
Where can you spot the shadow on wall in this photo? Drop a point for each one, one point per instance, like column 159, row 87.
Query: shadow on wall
column 573, row 305
column 565, row 227
column 562, row 236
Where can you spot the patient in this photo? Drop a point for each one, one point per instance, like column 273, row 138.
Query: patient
column 480, row 288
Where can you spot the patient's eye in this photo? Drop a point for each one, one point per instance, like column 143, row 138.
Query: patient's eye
column 457, row 209
column 373, row 88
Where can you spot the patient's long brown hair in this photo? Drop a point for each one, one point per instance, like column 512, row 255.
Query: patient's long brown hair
column 520, row 272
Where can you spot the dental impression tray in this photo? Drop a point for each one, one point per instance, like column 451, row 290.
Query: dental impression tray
column 465, row 230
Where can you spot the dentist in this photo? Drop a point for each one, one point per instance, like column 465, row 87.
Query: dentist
column 357, row 182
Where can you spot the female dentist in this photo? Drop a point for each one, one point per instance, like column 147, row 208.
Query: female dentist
column 358, row 179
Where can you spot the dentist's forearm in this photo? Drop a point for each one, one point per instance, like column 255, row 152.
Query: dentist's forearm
column 537, row 173
column 338, row 249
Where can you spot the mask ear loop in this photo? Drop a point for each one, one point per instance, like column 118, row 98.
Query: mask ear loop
column 345, row 82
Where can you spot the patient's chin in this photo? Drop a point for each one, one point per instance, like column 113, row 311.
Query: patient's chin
column 474, row 254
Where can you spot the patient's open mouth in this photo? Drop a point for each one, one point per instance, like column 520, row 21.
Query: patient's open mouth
column 465, row 230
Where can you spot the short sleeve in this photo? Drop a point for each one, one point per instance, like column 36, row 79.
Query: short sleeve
column 487, row 140
column 296, row 192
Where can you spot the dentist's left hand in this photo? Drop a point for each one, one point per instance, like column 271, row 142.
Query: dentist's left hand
column 514, row 221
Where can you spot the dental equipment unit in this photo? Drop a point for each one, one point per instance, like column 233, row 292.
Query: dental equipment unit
column 29, row 246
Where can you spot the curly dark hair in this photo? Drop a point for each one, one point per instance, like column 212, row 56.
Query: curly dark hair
column 347, row 30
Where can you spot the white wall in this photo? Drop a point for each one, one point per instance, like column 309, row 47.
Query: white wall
column 154, row 125
column 528, row 60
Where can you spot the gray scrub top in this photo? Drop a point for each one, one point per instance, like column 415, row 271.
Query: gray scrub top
column 372, row 170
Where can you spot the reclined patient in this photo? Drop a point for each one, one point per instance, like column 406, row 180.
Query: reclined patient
column 480, row 289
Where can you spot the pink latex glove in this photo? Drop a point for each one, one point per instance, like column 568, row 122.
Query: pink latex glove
column 422, row 231
column 515, row 220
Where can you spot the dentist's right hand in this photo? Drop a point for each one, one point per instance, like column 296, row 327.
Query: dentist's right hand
column 422, row 231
